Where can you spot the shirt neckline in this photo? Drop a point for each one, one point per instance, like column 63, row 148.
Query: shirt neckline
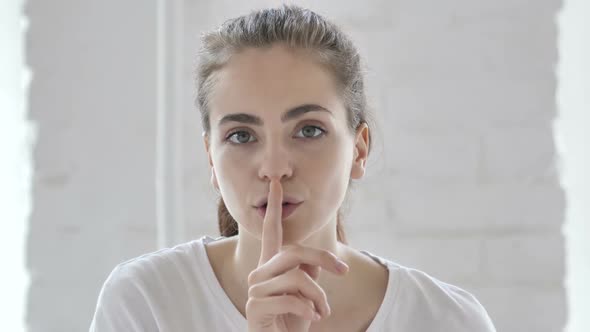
column 220, row 296
column 240, row 321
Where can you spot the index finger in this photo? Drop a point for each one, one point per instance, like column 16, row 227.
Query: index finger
column 272, row 227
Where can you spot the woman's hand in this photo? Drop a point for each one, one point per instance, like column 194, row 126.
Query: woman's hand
column 282, row 291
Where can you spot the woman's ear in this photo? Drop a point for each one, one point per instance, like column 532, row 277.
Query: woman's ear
column 361, row 151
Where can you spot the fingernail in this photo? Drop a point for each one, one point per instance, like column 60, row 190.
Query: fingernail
column 316, row 316
column 341, row 266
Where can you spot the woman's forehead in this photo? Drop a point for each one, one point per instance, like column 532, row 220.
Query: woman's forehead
column 264, row 60
column 273, row 79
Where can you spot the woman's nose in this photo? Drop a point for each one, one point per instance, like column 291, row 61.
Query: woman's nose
column 276, row 162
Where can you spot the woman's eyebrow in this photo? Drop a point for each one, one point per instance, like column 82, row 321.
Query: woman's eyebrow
column 288, row 115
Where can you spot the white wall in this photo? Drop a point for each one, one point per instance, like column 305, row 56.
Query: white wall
column 573, row 138
column 94, row 96
column 16, row 134
column 462, row 182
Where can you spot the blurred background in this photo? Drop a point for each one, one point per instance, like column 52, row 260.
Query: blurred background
column 479, row 176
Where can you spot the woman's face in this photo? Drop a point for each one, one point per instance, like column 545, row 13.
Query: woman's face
column 276, row 113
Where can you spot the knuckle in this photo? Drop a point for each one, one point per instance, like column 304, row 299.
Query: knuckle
column 252, row 277
column 251, row 304
column 253, row 291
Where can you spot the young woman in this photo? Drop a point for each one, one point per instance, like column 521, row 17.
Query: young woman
column 286, row 131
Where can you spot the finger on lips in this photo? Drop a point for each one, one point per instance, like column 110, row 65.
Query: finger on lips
column 286, row 276
column 272, row 228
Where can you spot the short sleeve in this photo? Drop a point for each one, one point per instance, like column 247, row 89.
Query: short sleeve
column 424, row 303
column 470, row 314
column 122, row 305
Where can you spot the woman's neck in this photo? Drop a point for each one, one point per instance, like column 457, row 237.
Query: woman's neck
column 232, row 267
column 246, row 251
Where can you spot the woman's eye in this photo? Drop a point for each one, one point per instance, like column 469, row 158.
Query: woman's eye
column 242, row 137
column 309, row 131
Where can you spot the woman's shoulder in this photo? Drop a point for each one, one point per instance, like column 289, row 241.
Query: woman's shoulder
column 155, row 288
column 176, row 265
column 423, row 302
column 178, row 256
column 157, row 272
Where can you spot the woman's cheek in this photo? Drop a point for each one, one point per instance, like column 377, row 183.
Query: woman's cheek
column 234, row 160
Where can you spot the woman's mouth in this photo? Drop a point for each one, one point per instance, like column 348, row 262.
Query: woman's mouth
column 288, row 209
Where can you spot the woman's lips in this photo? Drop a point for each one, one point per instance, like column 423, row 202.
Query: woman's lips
column 288, row 209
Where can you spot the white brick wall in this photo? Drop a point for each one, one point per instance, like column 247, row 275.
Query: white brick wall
column 462, row 182
column 93, row 97
column 525, row 308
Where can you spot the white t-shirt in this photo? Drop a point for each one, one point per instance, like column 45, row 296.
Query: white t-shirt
column 175, row 289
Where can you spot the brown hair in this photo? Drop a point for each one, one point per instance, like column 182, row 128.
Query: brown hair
column 298, row 28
